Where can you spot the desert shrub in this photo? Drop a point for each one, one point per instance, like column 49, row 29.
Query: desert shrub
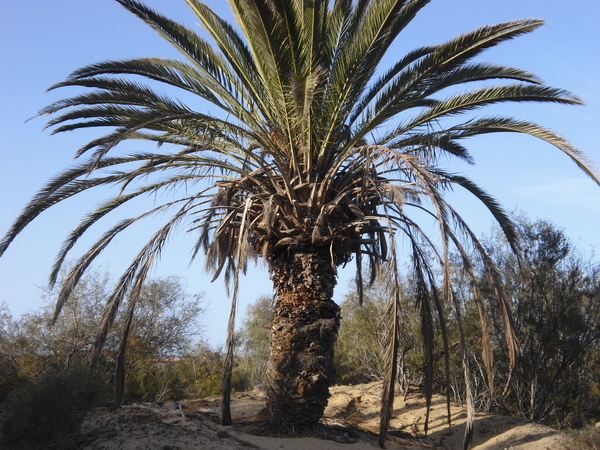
column 9, row 377
column 201, row 371
column 44, row 412
column 195, row 374
column 587, row 438
column 361, row 345
column 360, row 348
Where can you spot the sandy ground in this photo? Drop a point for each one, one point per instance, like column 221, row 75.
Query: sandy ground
column 195, row 425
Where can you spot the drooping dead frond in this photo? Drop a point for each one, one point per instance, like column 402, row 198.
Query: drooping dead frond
column 468, row 436
column 495, row 279
column 444, row 330
column 242, row 247
column 394, row 317
column 424, row 293
column 486, row 344
column 120, row 367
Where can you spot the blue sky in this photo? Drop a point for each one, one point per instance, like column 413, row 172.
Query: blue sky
column 41, row 42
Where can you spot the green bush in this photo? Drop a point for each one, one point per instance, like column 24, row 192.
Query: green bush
column 44, row 412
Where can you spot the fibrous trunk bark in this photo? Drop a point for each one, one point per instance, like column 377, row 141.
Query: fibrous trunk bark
column 300, row 368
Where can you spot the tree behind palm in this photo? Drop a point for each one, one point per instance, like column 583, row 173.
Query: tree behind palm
column 313, row 155
column 554, row 293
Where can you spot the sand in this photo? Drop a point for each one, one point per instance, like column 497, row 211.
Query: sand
column 194, row 425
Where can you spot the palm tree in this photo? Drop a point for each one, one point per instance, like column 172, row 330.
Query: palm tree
column 314, row 155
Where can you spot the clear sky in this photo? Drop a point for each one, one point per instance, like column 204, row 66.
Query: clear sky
column 42, row 41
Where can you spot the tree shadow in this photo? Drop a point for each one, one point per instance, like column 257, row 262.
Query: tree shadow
column 497, row 432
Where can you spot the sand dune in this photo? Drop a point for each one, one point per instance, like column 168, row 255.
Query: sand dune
column 194, row 425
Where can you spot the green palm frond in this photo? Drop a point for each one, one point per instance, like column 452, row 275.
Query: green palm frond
column 132, row 279
column 269, row 48
column 501, row 217
column 503, row 124
column 465, row 47
column 236, row 52
column 375, row 88
column 477, row 98
column 462, row 103
column 373, row 28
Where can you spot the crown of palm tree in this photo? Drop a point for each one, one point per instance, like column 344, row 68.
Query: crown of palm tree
column 311, row 144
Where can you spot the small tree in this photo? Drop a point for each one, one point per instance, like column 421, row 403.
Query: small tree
column 254, row 343
column 166, row 324
column 45, row 346
column 555, row 295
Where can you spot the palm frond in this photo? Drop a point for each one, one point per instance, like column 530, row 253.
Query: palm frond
column 503, row 124
column 486, row 344
column 59, row 189
column 84, row 262
column 478, row 98
column 190, row 44
column 468, row 436
column 500, row 216
column 269, row 48
column 102, row 211
column 375, row 26
column 394, row 319
column 424, row 292
column 495, row 279
column 469, row 45
column 242, row 251
column 377, row 86
column 237, row 53
column 137, row 270
column 413, row 84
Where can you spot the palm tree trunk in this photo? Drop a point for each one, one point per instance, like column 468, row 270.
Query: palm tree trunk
column 300, row 368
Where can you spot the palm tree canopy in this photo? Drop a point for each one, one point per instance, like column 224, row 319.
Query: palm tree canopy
column 310, row 143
